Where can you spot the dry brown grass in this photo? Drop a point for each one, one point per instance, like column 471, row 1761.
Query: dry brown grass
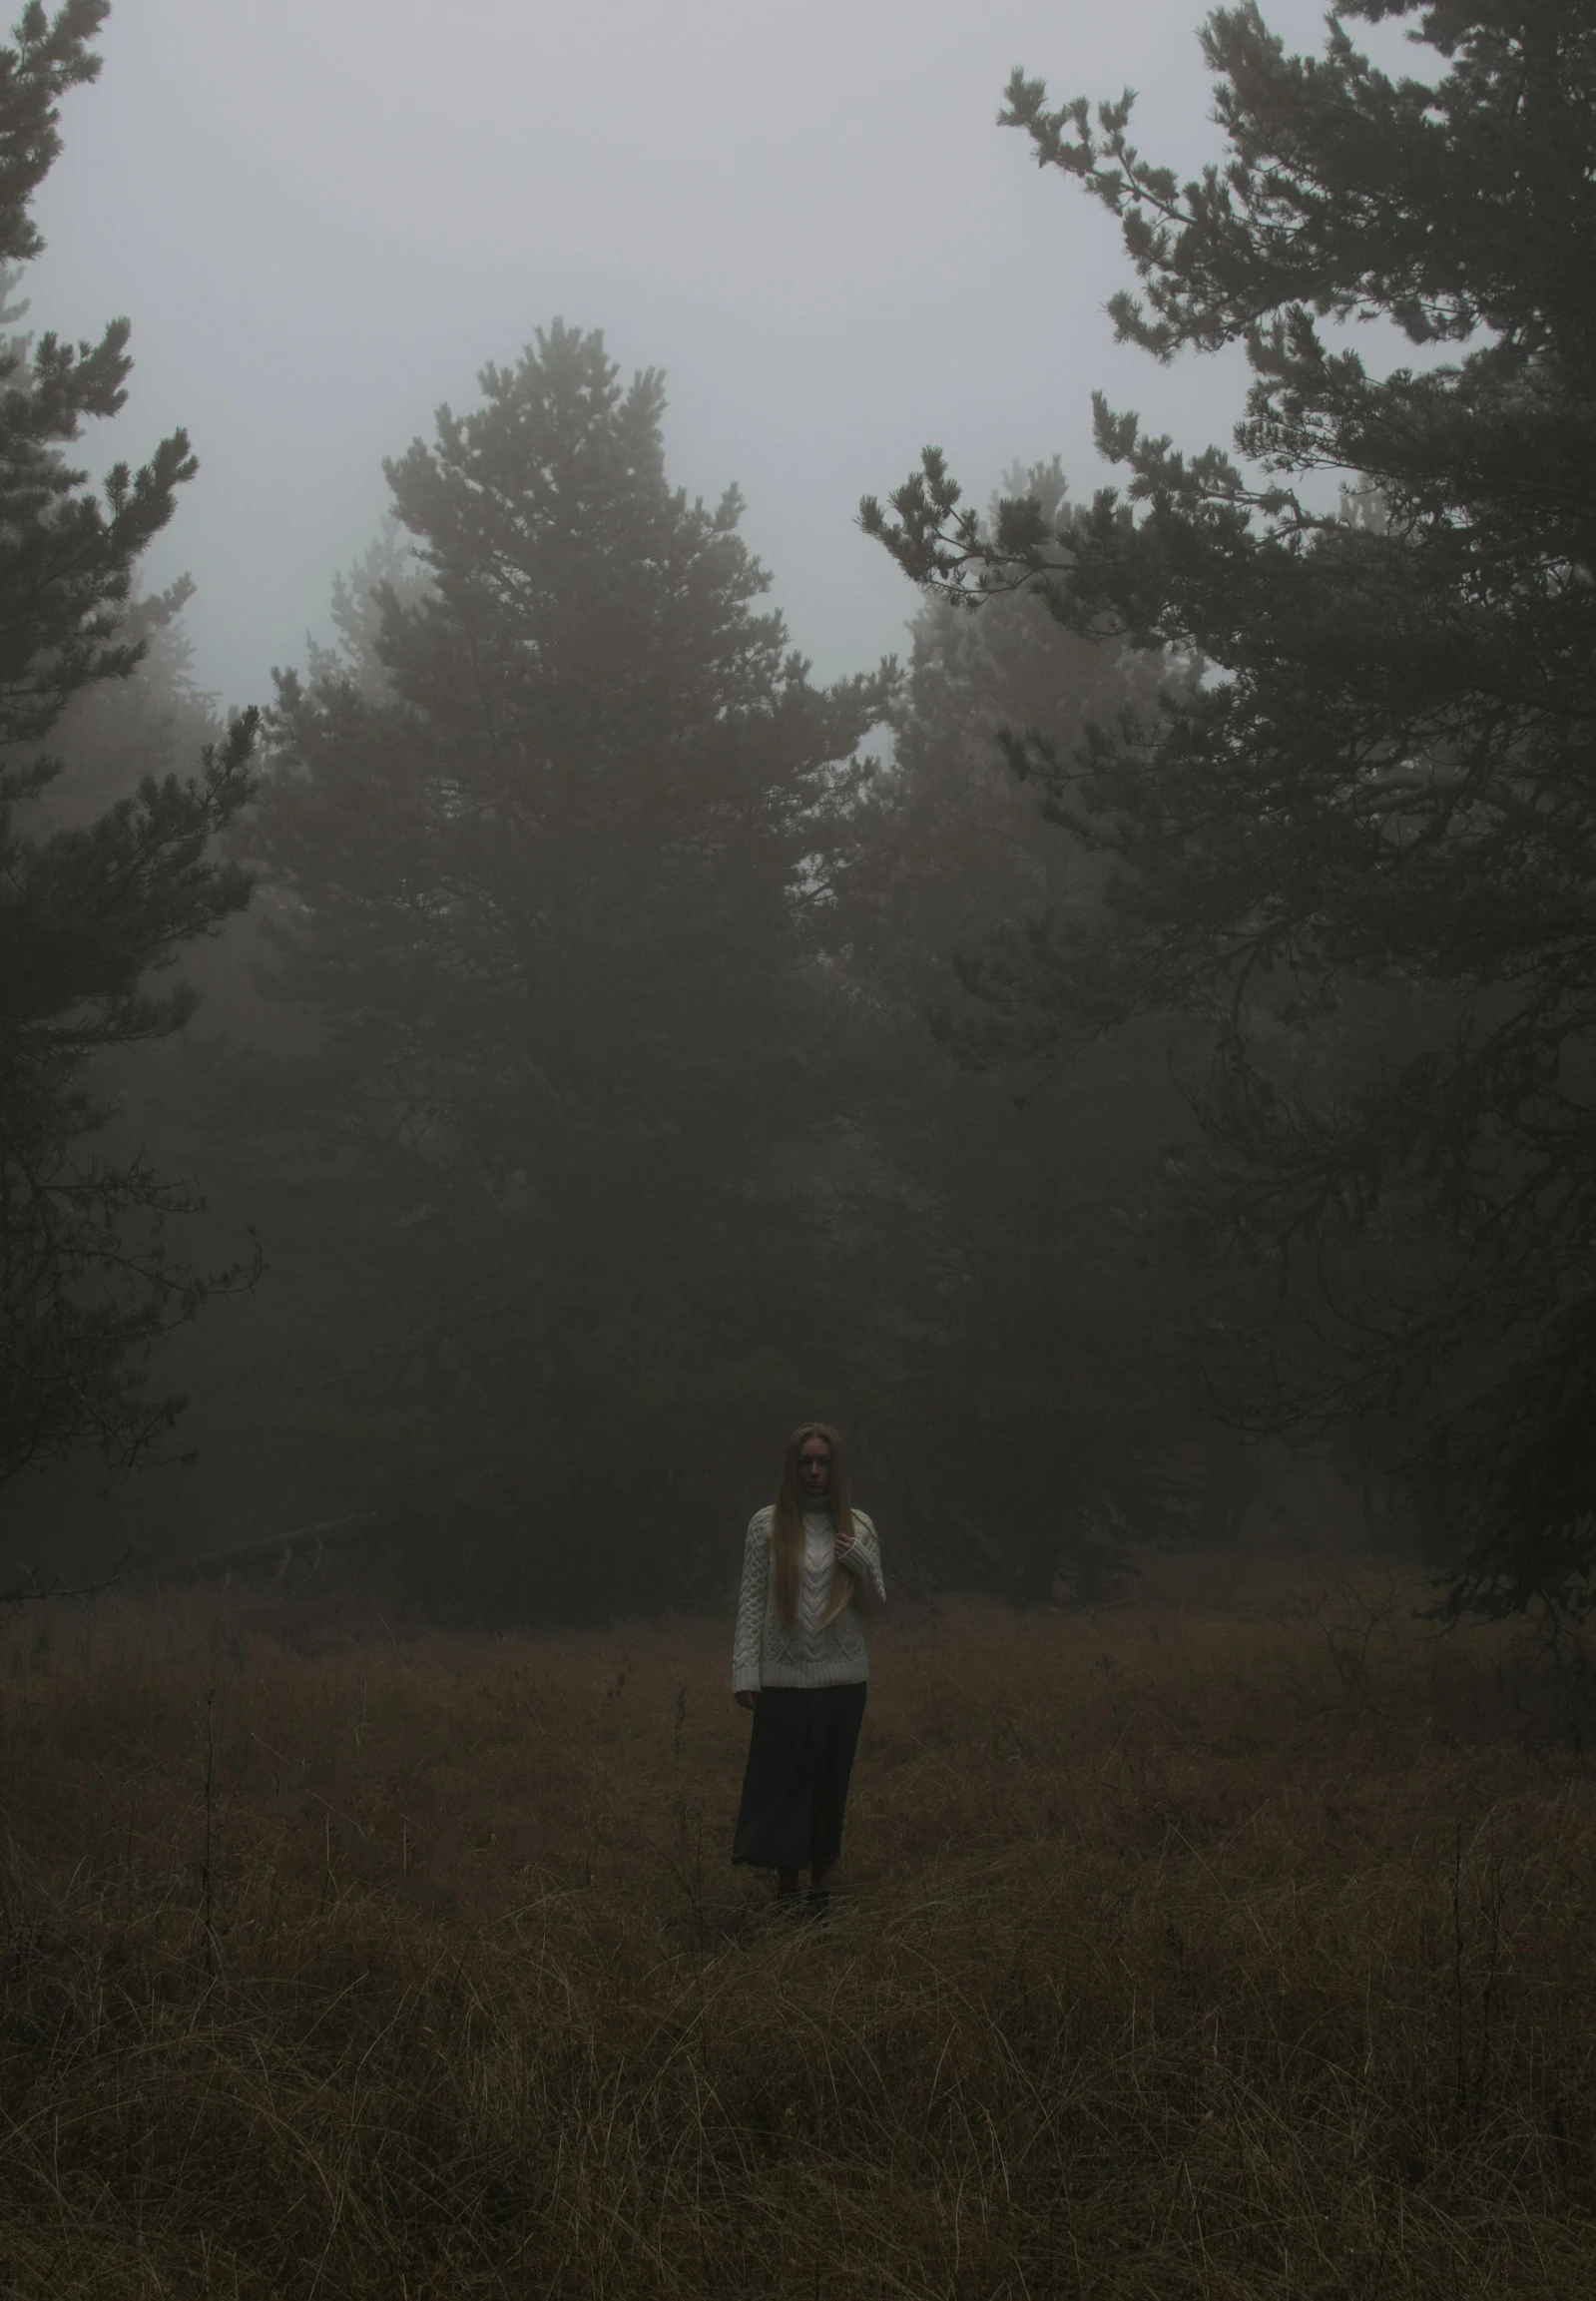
column 1180, row 1956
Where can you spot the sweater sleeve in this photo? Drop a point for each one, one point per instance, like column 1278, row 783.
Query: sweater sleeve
column 863, row 1562
column 749, row 1637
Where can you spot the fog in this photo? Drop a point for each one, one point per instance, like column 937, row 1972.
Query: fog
column 567, row 1077
column 797, row 1439
column 324, row 217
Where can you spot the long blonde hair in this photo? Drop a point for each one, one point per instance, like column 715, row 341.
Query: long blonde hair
column 786, row 1526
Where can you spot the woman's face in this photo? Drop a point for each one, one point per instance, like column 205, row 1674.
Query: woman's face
column 814, row 1468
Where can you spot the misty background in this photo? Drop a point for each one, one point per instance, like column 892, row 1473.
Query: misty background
column 322, row 219
column 652, row 847
column 324, row 223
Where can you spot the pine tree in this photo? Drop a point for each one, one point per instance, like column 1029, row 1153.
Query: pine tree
column 1049, row 1384
column 1364, row 845
column 88, row 909
column 950, row 844
column 555, row 893
column 119, row 732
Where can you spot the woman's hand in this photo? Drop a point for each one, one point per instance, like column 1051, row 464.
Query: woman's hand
column 746, row 1700
column 845, row 1542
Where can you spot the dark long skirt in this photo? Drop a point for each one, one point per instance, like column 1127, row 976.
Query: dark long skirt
column 796, row 1785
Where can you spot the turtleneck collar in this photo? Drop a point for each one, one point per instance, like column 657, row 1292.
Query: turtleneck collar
column 816, row 1506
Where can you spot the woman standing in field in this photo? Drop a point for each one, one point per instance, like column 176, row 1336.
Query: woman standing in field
column 812, row 1565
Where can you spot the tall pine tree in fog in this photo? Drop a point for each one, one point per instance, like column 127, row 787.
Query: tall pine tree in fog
column 952, row 845
column 553, row 900
column 1368, row 849
column 90, row 906
column 1049, row 1387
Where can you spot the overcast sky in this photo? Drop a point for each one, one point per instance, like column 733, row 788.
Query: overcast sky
column 324, row 216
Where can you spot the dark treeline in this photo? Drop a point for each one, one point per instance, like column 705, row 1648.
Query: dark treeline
column 1151, row 1020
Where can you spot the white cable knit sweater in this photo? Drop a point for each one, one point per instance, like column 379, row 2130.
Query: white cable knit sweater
column 769, row 1653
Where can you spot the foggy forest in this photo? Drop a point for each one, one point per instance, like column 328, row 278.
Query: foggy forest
column 1096, row 1039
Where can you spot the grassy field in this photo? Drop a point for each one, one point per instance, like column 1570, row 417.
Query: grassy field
column 1177, row 1954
